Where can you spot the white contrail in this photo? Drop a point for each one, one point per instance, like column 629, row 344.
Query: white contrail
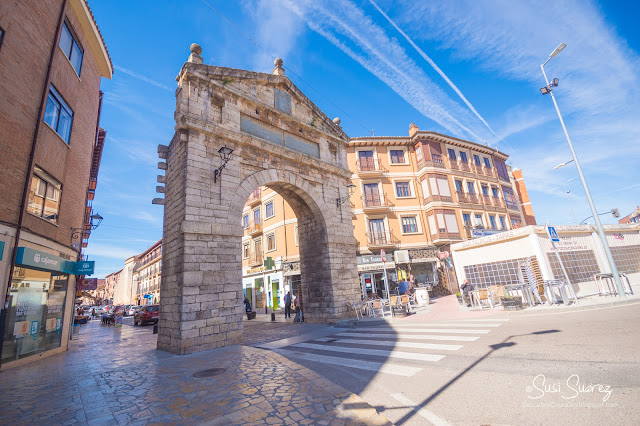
column 435, row 67
column 144, row 78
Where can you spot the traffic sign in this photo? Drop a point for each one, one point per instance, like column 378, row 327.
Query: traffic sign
column 553, row 234
column 444, row 255
column 383, row 256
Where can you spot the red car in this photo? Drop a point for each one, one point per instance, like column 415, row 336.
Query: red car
column 146, row 314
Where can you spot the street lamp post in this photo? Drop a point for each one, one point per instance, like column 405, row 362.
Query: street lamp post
column 603, row 238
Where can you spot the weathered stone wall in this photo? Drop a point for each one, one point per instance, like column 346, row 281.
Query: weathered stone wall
column 201, row 289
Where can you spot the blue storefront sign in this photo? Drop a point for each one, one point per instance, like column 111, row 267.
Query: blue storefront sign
column 47, row 262
column 1, row 249
column 477, row 233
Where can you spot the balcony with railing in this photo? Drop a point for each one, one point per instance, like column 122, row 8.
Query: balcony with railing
column 381, row 239
column 438, row 198
column 256, row 259
column 373, row 202
column 254, row 198
column 370, row 166
column 511, row 205
column 255, row 228
column 436, row 161
column 497, row 202
column 467, row 198
column 443, row 235
column 462, row 166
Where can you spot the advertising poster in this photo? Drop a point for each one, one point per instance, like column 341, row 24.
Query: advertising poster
column 21, row 328
column 51, row 324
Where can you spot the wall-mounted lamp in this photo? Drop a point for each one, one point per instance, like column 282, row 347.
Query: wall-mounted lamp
column 94, row 221
column 225, row 154
column 341, row 200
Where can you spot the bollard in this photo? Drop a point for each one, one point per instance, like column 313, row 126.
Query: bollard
column 155, row 328
column 273, row 316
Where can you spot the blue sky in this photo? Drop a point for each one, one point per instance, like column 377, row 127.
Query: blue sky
column 465, row 68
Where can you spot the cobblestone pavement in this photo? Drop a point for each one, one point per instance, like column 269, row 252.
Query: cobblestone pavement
column 116, row 376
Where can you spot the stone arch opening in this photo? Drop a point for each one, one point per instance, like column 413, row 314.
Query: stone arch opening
column 279, row 139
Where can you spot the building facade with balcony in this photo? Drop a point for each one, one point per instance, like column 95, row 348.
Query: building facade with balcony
column 416, row 195
column 146, row 276
column 270, row 256
column 52, row 61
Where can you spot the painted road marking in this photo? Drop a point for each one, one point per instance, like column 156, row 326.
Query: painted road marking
column 435, row 346
column 412, row 336
column 374, row 352
column 426, row 330
column 450, row 324
column 398, row 370
column 422, row 412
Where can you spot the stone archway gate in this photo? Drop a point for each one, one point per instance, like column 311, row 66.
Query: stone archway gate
column 280, row 139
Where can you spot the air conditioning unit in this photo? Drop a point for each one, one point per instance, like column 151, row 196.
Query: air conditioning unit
column 401, row 256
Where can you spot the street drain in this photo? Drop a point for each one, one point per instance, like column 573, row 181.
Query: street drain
column 208, row 373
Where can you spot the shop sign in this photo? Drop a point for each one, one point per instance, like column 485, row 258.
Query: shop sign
column 1, row 249
column 377, row 266
column 372, row 258
column 87, row 284
column 256, row 270
column 424, row 260
column 48, row 262
column 477, row 233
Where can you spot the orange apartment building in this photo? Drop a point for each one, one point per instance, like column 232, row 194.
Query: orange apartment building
column 414, row 196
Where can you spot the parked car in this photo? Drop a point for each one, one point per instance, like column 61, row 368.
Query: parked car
column 127, row 309
column 99, row 310
column 133, row 309
column 146, row 315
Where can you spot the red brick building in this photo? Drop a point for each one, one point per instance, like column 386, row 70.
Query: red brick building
column 52, row 60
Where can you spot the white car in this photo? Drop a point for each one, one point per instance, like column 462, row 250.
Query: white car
column 132, row 310
column 99, row 310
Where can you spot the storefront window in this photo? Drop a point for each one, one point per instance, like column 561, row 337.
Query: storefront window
column 36, row 313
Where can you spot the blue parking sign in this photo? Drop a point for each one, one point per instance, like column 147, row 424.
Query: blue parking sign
column 553, row 234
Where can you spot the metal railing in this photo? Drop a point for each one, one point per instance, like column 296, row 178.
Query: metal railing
column 369, row 165
column 435, row 198
column 381, row 238
column 256, row 259
column 255, row 197
column 374, row 200
column 255, row 228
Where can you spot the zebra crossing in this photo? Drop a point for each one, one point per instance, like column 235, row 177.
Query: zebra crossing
column 400, row 349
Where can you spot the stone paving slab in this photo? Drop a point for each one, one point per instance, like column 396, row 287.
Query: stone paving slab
column 116, row 376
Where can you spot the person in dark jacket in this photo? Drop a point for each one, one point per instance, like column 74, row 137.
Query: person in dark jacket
column 287, row 305
column 247, row 305
column 466, row 289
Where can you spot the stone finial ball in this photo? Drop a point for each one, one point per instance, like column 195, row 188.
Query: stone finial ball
column 337, row 120
column 278, row 62
column 196, row 49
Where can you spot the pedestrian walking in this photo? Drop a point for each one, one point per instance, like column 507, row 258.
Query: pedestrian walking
column 287, row 305
column 299, row 315
column 247, row 305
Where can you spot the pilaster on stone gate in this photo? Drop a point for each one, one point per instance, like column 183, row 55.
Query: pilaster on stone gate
column 279, row 139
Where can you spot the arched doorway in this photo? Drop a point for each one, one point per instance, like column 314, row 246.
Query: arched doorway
column 280, row 140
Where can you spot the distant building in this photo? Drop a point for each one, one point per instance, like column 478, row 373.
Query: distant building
column 631, row 218
column 52, row 60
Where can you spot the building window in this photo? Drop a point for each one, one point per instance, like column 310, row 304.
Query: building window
column 256, row 216
column 44, row 196
column 295, row 234
column 397, row 156
column 419, row 153
column 476, row 160
column 509, row 197
column 471, row 188
column 516, row 222
column 485, row 190
column 245, row 250
column 466, row 219
column 479, row 223
column 271, row 242
column 245, row 221
column 494, row 191
column 492, row 221
column 268, row 210
column 409, row 225
column 71, row 47
column 487, row 163
column 458, row 185
column 463, row 157
column 403, row 189
column 503, row 223
column 58, row 115
column 452, row 153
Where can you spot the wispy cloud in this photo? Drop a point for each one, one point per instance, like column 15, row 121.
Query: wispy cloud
column 347, row 27
column 110, row 251
column 144, row 78
column 433, row 65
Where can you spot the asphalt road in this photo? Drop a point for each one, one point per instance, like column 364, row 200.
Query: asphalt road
column 578, row 367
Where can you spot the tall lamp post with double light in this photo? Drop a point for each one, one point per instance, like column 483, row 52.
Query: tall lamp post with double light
column 548, row 89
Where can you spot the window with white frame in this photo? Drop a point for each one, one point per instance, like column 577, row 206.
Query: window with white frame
column 245, row 221
column 503, row 223
column 295, row 234
column 403, row 189
column 271, row 241
column 245, row 250
column 256, row 216
column 71, row 47
column 268, row 210
column 58, row 115
column 397, row 156
column 44, row 196
column 409, row 224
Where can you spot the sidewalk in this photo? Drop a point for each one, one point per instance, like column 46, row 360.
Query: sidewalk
column 114, row 376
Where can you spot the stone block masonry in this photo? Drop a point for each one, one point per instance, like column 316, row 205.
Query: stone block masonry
column 273, row 130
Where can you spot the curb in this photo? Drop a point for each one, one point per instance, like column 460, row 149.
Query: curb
column 575, row 308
